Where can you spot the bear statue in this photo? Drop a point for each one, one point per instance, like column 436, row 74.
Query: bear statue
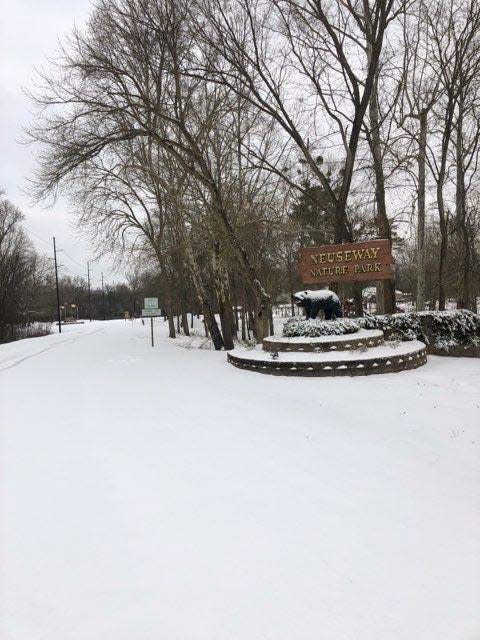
column 313, row 301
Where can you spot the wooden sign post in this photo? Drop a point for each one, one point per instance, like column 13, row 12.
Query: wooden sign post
column 355, row 262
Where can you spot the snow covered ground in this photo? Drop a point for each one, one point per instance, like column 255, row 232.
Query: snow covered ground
column 150, row 494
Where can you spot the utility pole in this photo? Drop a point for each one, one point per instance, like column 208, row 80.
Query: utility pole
column 89, row 293
column 56, row 282
column 103, row 299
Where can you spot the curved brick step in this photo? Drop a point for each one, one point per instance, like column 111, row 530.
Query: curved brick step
column 362, row 339
column 387, row 358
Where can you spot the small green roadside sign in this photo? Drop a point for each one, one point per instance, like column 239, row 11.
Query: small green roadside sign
column 151, row 311
column 150, row 303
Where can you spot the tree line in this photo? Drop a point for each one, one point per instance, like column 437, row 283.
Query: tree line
column 211, row 140
column 28, row 288
column 23, row 272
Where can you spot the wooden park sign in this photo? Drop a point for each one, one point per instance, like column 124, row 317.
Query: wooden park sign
column 359, row 261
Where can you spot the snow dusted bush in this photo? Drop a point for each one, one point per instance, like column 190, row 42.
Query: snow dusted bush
column 441, row 329
column 403, row 326
column 458, row 327
column 297, row 327
column 34, row 330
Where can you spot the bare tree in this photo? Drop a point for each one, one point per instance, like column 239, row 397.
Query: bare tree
column 22, row 271
column 467, row 149
column 420, row 92
column 454, row 29
column 332, row 48
column 119, row 80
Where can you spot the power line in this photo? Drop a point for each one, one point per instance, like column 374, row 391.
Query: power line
column 50, row 245
column 63, row 266
column 71, row 271
column 38, row 237
column 83, row 276
column 73, row 259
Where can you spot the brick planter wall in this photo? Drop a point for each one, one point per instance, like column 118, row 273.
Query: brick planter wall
column 360, row 367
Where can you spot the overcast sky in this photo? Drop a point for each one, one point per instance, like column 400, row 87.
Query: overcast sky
column 29, row 33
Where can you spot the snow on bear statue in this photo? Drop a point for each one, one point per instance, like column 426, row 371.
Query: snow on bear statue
column 313, row 301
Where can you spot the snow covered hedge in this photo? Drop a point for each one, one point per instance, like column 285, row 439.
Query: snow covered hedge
column 297, row 328
column 404, row 326
column 440, row 329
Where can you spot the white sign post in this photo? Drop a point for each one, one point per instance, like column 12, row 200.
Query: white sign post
column 151, row 311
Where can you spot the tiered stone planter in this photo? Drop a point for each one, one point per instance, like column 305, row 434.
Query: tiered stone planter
column 359, row 354
column 362, row 339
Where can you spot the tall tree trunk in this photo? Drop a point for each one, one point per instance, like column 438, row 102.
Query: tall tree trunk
column 385, row 288
column 220, row 277
column 235, row 302
column 261, row 315
column 358, row 299
column 342, row 232
column 169, row 308
column 443, row 221
column 421, row 247
column 171, row 322
column 290, row 282
column 183, row 298
column 206, row 303
column 463, row 279
column 167, row 279
column 185, row 327
column 244, row 315
column 204, row 296
column 442, row 213
column 379, row 298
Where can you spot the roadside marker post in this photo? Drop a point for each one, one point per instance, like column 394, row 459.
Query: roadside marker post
column 151, row 310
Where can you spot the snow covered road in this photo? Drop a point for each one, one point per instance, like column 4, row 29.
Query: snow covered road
column 162, row 494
